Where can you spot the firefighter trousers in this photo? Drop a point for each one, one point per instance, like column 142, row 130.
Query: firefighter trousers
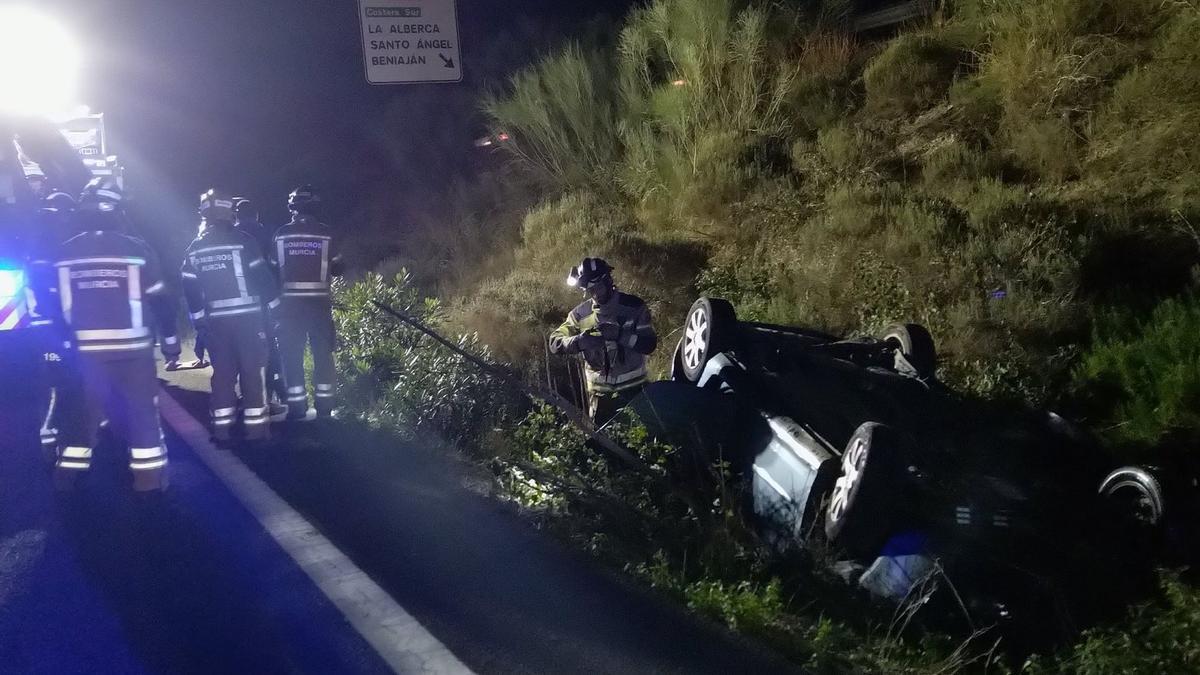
column 56, row 395
column 307, row 322
column 237, row 348
column 125, row 392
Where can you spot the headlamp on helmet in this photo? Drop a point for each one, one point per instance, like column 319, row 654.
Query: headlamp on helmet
column 304, row 199
column 588, row 272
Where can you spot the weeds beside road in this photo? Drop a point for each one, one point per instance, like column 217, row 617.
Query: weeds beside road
column 710, row 560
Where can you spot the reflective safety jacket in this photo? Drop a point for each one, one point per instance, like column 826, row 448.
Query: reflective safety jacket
column 307, row 258
column 224, row 275
column 621, row 364
column 106, row 283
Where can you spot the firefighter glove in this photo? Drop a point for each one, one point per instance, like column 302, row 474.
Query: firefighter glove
column 588, row 342
column 611, row 332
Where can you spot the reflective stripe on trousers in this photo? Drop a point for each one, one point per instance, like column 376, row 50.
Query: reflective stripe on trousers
column 607, row 385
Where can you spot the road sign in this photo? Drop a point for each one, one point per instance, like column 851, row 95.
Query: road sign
column 406, row 41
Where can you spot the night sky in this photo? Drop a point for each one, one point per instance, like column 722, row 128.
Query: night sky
column 260, row 95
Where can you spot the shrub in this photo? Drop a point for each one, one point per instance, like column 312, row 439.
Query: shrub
column 823, row 94
column 1142, row 377
column 912, row 72
column 394, row 376
column 743, row 606
column 1143, row 144
column 560, row 118
column 1161, row 637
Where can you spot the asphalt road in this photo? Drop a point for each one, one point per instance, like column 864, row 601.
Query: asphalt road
column 211, row 580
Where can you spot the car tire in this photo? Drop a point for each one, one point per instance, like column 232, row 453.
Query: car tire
column 916, row 345
column 1138, row 493
column 710, row 328
column 862, row 501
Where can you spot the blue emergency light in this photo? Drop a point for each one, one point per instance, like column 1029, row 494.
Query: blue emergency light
column 12, row 282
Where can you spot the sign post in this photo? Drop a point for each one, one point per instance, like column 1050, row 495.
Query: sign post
column 410, row 41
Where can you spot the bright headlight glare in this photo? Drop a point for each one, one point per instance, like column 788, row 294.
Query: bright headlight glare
column 12, row 282
column 39, row 64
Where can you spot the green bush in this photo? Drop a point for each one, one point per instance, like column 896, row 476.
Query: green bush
column 1143, row 145
column 392, row 375
column 1143, row 377
column 913, row 72
column 743, row 606
column 1161, row 637
column 560, row 118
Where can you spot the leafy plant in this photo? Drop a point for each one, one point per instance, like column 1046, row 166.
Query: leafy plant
column 1158, row 637
column 394, row 376
column 1143, row 376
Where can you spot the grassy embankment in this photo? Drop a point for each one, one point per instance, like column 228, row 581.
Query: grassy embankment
column 1020, row 177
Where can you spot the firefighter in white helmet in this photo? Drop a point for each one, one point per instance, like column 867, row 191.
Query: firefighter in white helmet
column 227, row 282
column 613, row 333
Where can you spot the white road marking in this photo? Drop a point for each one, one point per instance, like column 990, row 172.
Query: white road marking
column 395, row 635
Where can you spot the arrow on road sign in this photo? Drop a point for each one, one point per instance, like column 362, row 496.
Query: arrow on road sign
column 449, row 62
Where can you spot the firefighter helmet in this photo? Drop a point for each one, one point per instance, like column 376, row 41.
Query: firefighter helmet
column 588, row 272
column 102, row 194
column 216, row 206
column 304, row 199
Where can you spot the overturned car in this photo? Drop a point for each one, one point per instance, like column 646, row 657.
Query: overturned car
column 854, row 444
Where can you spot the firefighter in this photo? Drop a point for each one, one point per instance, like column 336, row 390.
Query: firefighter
column 55, row 223
column 227, row 282
column 308, row 259
column 247, row 222
column 613, row 333
column 108, row 284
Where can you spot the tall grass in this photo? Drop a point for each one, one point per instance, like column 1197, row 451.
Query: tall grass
column 970, row 173
column 561, row 120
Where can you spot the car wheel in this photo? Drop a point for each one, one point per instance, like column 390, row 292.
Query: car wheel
column 861, row 503
column 709, row 329
column 916, row 345
column 1138, row 495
